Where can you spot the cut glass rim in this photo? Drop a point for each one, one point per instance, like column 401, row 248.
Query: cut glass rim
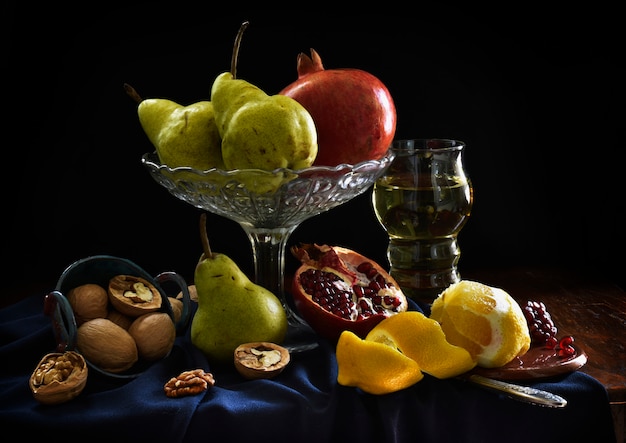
column 151, row 159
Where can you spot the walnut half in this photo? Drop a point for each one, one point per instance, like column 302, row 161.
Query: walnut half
column 260, row 360
column 133, row 296
column 59, row 377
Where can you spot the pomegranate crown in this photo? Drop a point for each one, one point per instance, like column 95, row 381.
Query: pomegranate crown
column 308, row 65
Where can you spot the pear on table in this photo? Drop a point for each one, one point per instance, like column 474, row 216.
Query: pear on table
column 231, row 309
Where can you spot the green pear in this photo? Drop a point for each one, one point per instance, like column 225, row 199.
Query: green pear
column 232, row 310
column 260, row 131
column 182, row 135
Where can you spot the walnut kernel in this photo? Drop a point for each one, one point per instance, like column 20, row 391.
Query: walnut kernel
column 260, row 360
column 189, row 383
column 59, row 377
column 133, row 296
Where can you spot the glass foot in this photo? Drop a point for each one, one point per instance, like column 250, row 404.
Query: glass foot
column 300, row 337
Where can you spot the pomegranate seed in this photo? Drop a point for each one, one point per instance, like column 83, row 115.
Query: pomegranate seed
column 390, row 302
column 363, row 304
column 364, row 267
column 565, row 348
column 368, row 269
column 375, row 286
column 381, row 281
column 551, row 343
column 566, row 341
column 567, row 351
column 369, row 292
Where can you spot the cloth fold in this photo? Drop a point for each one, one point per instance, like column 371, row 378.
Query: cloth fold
column 304, row 403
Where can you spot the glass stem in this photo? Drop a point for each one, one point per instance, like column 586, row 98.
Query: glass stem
column 268, row 250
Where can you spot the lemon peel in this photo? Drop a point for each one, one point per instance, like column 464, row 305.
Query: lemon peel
column 373, row 367
column 422, row 339
column 485, row 320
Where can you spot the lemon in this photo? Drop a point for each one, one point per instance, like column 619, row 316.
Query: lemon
column 422, row 339
column 373, row 367
column 485, row 320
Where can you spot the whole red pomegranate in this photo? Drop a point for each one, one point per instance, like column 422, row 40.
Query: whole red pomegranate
column 353, row 111
column 337, row 289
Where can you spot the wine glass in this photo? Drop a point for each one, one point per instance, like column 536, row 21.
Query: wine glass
column 269, row 206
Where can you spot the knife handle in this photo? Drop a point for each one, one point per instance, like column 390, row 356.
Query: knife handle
column 522, row 393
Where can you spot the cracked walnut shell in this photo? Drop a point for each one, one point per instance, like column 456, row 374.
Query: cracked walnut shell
column 133, row 296
column 59, row 377
column 260, row 360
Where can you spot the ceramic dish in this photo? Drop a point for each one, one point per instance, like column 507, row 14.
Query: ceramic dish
column 538, row 362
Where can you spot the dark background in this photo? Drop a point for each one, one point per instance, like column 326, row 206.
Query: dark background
column 536, row 94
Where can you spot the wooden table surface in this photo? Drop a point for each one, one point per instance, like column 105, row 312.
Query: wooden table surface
column 589, row 308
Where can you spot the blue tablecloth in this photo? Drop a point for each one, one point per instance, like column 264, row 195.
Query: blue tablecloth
column 303, row 404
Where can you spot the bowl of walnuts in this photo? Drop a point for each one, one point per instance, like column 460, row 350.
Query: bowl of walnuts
column 116, row 315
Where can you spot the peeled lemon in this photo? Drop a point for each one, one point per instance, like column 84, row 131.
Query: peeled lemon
column 485, row 320
column 422, row 339
column 373, row 367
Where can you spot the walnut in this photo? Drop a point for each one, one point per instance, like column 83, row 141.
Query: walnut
column 59, row 377
column 177, row 308
column 122, row 320
column 133, row 296
column 88, row 301
column 106, row 345
column 260, row 359
column 189, row 383
column 154, row 335
column 193, row 293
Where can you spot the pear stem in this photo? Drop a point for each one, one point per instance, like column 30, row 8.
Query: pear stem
column 206, row 248
column 132, row 93
column 233, row 60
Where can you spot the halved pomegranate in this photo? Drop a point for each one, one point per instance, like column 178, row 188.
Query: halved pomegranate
column 337, row 289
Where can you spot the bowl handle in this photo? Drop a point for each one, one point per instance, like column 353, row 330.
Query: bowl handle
column 170, row 276
column 63, row 320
